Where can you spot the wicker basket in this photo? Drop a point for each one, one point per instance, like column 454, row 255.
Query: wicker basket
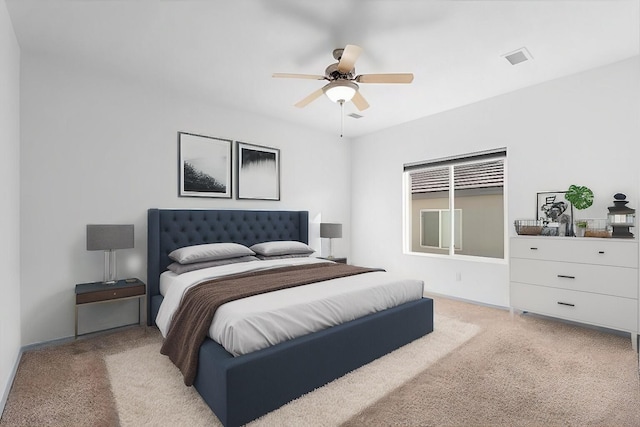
column 597, row 228
column 528, row 227
column 597, row 233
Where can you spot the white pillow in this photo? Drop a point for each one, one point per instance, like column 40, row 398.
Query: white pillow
column 209, row 252
column 282, row 247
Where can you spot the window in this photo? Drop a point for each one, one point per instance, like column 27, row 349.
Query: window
column 472, row 186
column 434, row 228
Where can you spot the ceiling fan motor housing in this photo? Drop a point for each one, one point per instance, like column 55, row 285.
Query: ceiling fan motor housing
column 337, row 53
column 332, row 73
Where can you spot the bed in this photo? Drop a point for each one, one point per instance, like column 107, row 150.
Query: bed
column 241, row 388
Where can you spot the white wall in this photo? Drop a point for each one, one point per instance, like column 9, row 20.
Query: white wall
column 10, row 211
column 582, row 129
column 100, row 149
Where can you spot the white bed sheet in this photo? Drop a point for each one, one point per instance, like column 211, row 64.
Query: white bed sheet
column 257, row 322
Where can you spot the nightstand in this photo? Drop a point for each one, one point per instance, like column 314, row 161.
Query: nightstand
column 100, row 293
column 339, row 260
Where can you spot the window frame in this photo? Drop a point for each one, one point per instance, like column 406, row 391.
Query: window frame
column 451, row 162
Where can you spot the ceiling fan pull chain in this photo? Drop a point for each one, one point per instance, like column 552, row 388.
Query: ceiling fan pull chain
column 341, row 117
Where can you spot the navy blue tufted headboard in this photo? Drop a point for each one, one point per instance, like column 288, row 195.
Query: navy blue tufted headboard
column 169, row 229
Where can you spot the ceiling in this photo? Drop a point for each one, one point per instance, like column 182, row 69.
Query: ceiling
column 226, row 51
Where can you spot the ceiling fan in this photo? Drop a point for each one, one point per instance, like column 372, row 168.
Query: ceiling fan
column 343, row 81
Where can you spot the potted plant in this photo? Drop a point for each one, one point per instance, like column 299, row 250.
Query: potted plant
column 581, row 227
column 581, row 197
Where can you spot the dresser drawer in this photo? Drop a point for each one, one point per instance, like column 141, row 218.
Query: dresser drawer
column 601, row 310
column 606, row 280
column 114, row 293
column 615, row 252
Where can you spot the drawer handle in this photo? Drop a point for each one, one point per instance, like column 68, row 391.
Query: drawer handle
column 566, row 277
column 600, row 252
column 534, row 249
column 568, row 304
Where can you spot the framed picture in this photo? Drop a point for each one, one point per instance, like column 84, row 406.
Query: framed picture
column 204, row 166
column 258, row 172
column 556, row 212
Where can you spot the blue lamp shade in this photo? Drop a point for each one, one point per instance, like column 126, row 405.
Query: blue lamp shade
column 108, row 238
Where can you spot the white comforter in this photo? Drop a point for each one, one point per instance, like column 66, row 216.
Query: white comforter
column 257, row 322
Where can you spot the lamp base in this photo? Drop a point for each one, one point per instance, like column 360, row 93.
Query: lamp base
column 109, row 277
column 622, row 232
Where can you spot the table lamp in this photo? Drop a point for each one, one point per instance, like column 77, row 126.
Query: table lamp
column 330, row 231
column 108, row 238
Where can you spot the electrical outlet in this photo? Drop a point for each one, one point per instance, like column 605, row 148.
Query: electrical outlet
column 458, row 276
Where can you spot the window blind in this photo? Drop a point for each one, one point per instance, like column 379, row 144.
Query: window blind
column 470, row 172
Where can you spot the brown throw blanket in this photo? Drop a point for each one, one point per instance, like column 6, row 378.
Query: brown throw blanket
column 193, row 318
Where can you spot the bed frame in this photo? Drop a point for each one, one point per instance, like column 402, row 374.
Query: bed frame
column 240, row 389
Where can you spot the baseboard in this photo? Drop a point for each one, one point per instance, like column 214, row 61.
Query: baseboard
column 469, row 301
column 45, row 344
column 60, row 341
column 9, row 384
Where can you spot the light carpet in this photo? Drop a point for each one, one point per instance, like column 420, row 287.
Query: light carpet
column 480, row 367
column 522, row 370
column 148, row 388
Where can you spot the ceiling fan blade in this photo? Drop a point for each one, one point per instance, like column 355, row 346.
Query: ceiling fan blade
column 298, row 76
column 359, row 101
column 385, row 78
column 349, row 56
column 306, row 101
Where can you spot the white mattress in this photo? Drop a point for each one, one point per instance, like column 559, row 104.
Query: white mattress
column 257, row 322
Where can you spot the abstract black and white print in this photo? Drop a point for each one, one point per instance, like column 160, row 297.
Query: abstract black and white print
column 258, row 172
column 205, row 166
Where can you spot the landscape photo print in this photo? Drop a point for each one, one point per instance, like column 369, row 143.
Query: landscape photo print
column 205, row 166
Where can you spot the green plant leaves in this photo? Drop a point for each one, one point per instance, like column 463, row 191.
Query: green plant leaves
column 580, row 197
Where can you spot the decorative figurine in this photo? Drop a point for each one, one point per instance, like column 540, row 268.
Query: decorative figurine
column 621, row 217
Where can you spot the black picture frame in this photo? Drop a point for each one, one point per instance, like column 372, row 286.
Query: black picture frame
column 552, row 207
column 204, row 166
column 258, row 172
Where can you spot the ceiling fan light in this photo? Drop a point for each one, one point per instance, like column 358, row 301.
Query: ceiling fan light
column 341, row 90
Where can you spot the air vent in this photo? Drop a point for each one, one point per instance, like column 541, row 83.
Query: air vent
column 355, row 115
column 518, row 56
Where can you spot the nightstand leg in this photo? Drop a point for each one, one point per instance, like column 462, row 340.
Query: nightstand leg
column 76, row 330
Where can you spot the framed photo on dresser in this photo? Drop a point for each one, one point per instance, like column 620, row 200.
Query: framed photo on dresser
column 556, row 212
column 205, row 165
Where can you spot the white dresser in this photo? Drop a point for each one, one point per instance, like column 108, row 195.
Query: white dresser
column 587, row 280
